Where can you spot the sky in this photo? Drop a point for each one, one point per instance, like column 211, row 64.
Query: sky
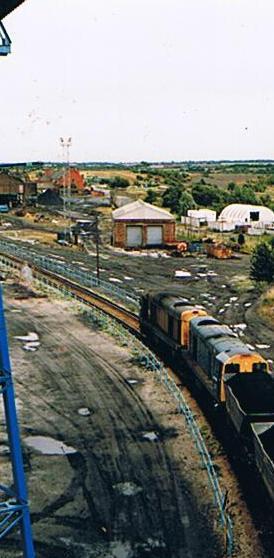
column 132, row 80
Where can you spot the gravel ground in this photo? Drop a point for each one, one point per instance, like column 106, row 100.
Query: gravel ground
column 127, row 482
column 222, row 287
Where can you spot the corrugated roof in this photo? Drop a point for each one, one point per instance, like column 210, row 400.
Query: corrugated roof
column 141, row 211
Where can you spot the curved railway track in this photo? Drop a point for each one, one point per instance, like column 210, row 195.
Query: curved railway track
column 87, row 296
column 82, row 294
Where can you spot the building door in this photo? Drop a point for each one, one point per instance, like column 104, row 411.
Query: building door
column 134, row 236
column 155, row 235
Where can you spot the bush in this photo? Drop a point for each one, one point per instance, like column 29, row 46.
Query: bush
column 119, row 182
column 262, row 263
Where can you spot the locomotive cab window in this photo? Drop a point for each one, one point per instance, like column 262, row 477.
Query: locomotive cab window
column 232, row 368
column 259, row 367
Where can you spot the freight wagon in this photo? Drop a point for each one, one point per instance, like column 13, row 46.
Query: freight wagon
column 249, row 399
column 263, row 436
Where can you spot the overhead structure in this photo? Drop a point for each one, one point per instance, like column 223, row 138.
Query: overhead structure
column 14, row 510
column 6, row 7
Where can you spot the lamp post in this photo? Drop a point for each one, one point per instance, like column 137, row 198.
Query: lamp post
column 65, row 144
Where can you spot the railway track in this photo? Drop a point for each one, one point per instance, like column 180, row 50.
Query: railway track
column 87, row 296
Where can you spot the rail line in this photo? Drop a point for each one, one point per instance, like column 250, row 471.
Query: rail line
column 82, row 294
column 130, row 321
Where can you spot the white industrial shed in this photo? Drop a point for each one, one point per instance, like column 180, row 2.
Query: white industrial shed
column 243, row 214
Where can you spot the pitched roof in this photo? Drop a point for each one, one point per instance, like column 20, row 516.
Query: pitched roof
column 141, row 211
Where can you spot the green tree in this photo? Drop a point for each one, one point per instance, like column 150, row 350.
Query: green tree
column 119, row 182
column 171, row 198
column 186, row 202
column 243, row 194
column 262, row 263
column 151, row 196
column 207, row 195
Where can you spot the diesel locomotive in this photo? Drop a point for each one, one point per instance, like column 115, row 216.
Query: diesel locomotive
column 235, row 375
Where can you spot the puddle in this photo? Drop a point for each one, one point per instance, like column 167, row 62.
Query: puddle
column 151, row 436
column 127, row 488
column 31, row 336
column 84, row 412
column 48, row 446
column 247, row 304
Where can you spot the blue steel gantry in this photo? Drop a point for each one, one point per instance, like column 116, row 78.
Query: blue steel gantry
column 6, row 7
column 14, row 510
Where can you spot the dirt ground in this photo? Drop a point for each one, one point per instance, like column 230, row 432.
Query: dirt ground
column 221, row 286
column 224, row 289
column 131, row 484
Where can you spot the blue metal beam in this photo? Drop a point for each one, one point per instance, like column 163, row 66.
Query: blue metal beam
column 5, row 42
column 15, row 510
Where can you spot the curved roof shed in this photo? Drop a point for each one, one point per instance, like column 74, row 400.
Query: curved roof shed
column 242, row 214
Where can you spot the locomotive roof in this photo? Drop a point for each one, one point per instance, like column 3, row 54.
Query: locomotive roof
column 197, row 323
column 227, row 351
column 215, row 331
column 173, row 302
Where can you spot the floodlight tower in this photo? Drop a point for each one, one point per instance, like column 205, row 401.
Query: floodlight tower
column 65, row 144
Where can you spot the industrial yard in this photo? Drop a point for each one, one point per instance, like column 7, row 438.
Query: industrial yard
column 101, row 437
column 104, row 446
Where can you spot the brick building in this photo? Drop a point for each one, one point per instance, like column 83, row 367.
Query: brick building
column 14, row 190
column 140, row 224
column 56, row 179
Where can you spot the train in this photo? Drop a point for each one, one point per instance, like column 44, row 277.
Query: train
column 235, row 375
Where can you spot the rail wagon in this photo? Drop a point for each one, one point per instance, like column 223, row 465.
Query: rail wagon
column 263, row 434
column 249, row 399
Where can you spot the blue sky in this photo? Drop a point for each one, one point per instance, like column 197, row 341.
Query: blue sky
column 139, row 80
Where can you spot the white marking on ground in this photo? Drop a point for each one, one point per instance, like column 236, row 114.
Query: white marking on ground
column 115, row 280
column 151, row 436
column 31, row 336
column 84, row 412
